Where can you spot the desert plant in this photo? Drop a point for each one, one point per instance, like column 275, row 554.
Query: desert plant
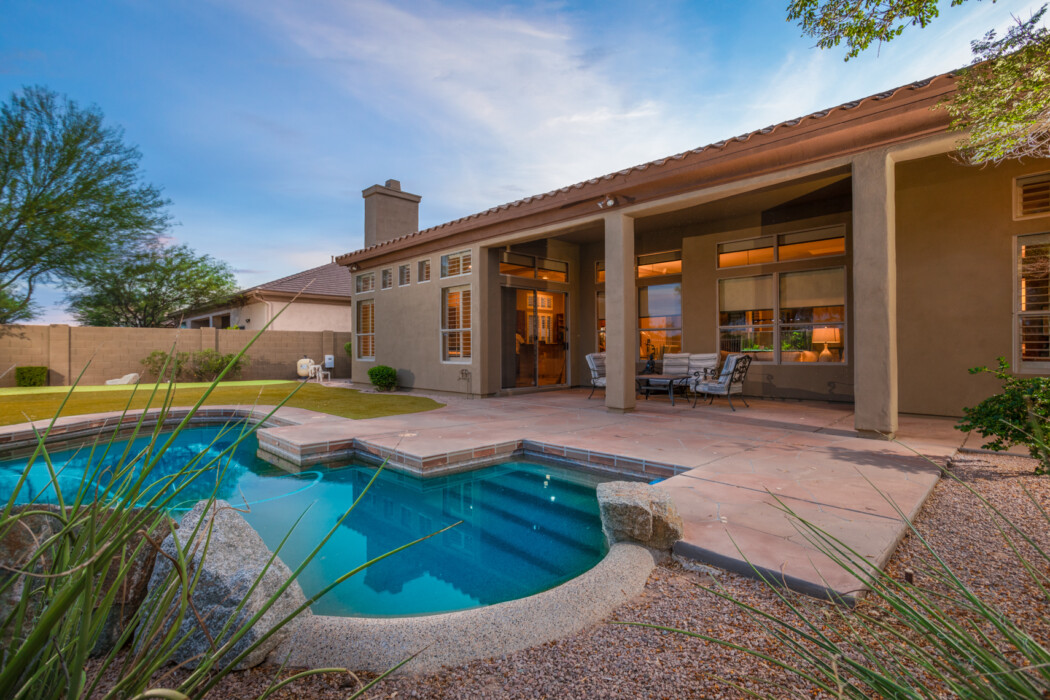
column 65, row 589
column 910, row 640
column 383, row 377
column 1005, row 417
column 31, row 376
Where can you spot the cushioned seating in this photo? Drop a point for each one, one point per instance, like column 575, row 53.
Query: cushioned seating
column 703, row 366
column 730, row 380
column 596, row 363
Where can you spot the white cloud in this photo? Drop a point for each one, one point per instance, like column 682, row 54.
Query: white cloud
column 522, row 99
column 513, row 102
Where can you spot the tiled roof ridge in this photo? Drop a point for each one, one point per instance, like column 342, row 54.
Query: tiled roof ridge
column 820, row 114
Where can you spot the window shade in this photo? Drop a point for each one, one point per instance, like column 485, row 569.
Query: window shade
column 745, row 293
column 812, row 288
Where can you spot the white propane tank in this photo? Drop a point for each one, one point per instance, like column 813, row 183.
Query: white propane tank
column 302, row 367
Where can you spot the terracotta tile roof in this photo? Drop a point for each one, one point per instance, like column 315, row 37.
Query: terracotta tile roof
column 718, row 145
column 331, row 279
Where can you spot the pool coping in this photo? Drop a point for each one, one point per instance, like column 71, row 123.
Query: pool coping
column 293, row 452
column 449, row 639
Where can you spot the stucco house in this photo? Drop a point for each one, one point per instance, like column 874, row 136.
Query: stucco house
column 847, row 252
column 322, row 302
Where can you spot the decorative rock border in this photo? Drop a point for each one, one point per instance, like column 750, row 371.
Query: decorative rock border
column 446, row 639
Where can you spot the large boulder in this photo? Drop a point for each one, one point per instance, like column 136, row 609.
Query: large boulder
column 235, row 558
column 635, row 512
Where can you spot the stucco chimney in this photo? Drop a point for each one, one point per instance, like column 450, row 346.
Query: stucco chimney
column 389, row 212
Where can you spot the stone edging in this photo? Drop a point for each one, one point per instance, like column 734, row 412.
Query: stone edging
column 447, row 639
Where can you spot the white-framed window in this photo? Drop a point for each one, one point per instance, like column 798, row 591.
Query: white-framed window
column 365, row 282
column 404, row 275
column 386, row 279
column 1032, row 196
column 455, row 264
column 424, row 271
column 365, row 336
column 455, row 324
column 785, row 317
column 1032, row 303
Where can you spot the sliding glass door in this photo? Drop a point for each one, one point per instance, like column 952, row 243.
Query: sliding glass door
column 534, row 341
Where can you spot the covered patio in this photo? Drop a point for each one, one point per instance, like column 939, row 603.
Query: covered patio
column 724, row 470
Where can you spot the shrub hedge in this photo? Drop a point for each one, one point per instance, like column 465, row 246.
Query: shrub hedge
column 31, row 376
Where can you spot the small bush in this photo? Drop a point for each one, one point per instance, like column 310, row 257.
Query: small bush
column 349, row 348
column 1007, row 417
column 200, row 366
column 206, row 365
column 154, row 364
column 31, row 376
column 382, row 377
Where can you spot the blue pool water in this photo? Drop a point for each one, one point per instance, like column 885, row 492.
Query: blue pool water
column 526, row 527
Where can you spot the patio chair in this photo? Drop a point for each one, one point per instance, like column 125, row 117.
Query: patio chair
column 730, row 381
column 703, row 366
column 596, row 363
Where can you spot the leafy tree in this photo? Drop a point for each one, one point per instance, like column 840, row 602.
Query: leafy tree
column 70, row 195
column 143, row 288
column 1002, row 100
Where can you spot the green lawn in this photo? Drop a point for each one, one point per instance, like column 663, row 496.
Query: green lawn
column 19, row 405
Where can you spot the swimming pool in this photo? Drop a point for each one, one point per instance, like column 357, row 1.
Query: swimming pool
column 526, row 527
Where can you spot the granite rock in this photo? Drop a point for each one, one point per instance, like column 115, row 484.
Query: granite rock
column 635, row 512
column 235, row 558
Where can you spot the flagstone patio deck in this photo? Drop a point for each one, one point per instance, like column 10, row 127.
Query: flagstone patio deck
column 724, row 470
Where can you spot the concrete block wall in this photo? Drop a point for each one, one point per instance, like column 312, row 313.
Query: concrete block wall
column 22, row 346
column 113, row 352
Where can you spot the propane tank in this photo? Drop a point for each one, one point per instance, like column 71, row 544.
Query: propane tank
column 302, row 367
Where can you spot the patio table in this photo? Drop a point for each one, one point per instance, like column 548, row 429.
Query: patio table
column 648, row 382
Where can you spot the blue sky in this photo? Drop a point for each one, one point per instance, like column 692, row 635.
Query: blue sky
column 263, row 120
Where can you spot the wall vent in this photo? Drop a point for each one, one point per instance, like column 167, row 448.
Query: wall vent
column 1032, row 196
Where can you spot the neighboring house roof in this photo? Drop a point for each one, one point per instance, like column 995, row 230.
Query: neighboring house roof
column 845, row 129
column 329, row 283
column 331, row 279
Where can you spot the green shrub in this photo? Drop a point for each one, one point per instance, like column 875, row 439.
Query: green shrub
column 349, row 348
column 155, row 363
column 382, row 377
column 31, row 376
column 206, row 365
column 1007, row 417
column 200, row 366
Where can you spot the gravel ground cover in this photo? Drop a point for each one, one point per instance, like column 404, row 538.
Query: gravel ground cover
column 615, row 661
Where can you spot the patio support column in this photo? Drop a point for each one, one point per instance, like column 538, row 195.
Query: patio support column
column 621, row 313
column 874, row 295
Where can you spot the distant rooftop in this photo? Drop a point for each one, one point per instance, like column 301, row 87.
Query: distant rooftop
column 331, row 279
